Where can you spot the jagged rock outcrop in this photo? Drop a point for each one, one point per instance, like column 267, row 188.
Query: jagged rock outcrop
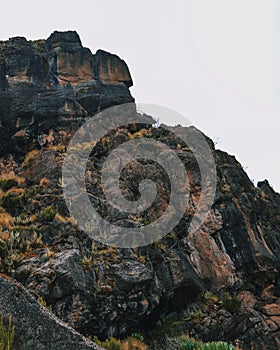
column 36, row 327
column 47, row 89
column 52, row 84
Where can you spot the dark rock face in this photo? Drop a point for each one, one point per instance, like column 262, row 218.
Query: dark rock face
column 106, row 291
column 47, row 84
column 47, row 90
column 36, row 327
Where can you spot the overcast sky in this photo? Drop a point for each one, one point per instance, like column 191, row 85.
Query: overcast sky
column 215, row 61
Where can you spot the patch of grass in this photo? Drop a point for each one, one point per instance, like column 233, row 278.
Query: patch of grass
column 193, row 344
column 44, row 182
column 225, row 300
column 6, row 220
column 16, row 246
column 7, row 334
column 139, row 134
column 196, row 315
column 130, row 343
column 109, row 344
column 61, row 218
column 43, row 302
column 138, row 336
column 87, row 261
column 217, row 346
column 29, row 157
column 57, row 148
column 190, row 344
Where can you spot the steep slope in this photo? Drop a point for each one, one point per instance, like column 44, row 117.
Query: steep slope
column 221, row 282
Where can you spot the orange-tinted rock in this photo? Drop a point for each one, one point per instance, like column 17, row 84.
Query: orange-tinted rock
column 73, row 63
column 272, row 310
column 268, row 294
column 111, row 68
column 276, row 320
column 248, row 300
column 53, row 80
column 74, row 67
column 210, row 261
column 273, row 327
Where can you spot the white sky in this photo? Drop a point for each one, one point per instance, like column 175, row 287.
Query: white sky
column 215, row 61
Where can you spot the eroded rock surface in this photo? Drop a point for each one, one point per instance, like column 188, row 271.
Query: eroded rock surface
column 47, row 89
column 49, row 84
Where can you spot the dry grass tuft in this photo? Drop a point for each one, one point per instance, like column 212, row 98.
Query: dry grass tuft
column 6, row 220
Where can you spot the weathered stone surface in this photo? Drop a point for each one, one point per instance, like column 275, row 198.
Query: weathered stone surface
column 50, row 83
column 112, row 292
column 248, row 300
column 111, row 68
column 276, row 320
column 47, row 89
column 36, row 327
column 272, row 309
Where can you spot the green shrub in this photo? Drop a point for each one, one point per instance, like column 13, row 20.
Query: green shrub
column 216, row 346
column 47, row 214
column 190, row 344
column 138, row 336
column 7, row 334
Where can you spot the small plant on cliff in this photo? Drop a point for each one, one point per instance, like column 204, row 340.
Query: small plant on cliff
column 7, row 334
column 138, row 336
column 109, row 344
column 15, row 245
column 47, row 214
column 131, row 343
column 43, row 302
column 217, row 346
column 231, row 303
column 192, row 344
column 30, row 156
column 6, row 219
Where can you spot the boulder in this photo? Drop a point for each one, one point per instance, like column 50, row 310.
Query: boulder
column 35, row 326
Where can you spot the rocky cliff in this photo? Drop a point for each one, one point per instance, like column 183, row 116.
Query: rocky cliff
column 51, row 85
column 220, row 282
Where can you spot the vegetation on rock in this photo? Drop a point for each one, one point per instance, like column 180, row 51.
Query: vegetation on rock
column 7, row 334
